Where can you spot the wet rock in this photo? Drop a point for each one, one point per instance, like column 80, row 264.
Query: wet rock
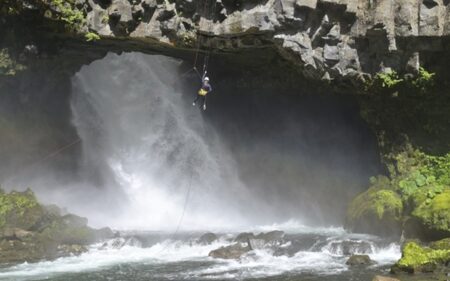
column 15, row 233
column 76, row 250
column 272, row 236
column 234, row 251
column 417, row 258
column 207, row 238
column 384, row 278
column 350, row 247
column 377, row 211
column 120, row 242
column 19, row 210
column 31, row 232
column 244, row 237
column 104, row 233
column 359, row 260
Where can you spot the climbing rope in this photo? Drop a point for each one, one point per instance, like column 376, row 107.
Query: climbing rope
column 207, row 11
column 43, row 159
column 186, row 200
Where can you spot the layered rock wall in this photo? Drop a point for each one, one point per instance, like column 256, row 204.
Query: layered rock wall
column 327, row 39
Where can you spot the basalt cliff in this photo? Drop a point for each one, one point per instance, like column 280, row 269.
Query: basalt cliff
column 391, row 56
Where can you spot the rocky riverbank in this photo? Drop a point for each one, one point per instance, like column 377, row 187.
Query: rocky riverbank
column 30, row 231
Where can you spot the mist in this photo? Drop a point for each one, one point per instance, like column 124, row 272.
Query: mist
column 253, row 157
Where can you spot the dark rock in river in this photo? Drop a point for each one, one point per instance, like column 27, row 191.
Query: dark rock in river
column 350, row 247
column 244, row 237
column 272, row 236
column 207, row 238
column 359, row 260
column 234, row 251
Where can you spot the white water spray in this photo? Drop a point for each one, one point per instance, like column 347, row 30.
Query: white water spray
column 140, row 134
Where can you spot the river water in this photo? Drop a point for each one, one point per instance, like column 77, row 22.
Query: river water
column 305, row 254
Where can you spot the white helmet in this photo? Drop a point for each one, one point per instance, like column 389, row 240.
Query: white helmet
column 206, row 79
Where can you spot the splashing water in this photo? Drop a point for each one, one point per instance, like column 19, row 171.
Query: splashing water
column 145, row 142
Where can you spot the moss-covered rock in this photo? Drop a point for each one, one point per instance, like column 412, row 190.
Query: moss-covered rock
column 416, row 196
column 435, row 212
column 31, row 232
column 19, row 210
column 376, row 210
column 443, row 244
column 416, row 258
column 69, row 229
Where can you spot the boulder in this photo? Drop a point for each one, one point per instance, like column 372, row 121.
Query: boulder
column 244, row 237
column 433, row 214
column 359, row 260
column 19, row 210
column 15, row 233
column 384, row 278
column 377, row 211
column 416, row 258
column 272, row 236
column 104, row 233
column 207, row 238
column 234, row 251
column 350, row 247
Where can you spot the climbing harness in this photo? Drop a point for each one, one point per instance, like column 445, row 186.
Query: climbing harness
column 202, row 92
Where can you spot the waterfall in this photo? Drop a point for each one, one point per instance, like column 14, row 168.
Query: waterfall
column 142, row 139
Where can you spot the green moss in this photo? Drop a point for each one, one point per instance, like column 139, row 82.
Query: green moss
column 443, row 244
column 435, row 212
column 424, row 81
column 9, row 66
column 387, row 79
column 416, row 258
column 91, row 36
column 381, row 202
column 73, row 17
column 19, row 209
column 63, row 231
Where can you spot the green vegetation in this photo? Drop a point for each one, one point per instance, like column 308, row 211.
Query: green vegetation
column 66, row 232
column 424, row 81
column 9, row 66
column 387, row 80
column 378, row 210
column 105, row 18
column 69, row 13
column 435, row 212
column 378, row 202
column 91, row 36
column 19, row 209
column 419, row 188
column 416, row 258
column 391, row 80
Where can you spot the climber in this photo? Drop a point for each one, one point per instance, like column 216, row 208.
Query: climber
column 204, row 90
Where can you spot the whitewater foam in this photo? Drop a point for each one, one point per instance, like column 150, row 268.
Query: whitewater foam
column 255, row 264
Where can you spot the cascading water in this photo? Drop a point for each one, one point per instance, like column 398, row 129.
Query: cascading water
column 131, row 116
column 145, row 147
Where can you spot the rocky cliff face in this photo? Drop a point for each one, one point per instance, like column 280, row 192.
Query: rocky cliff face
column 328, row 39
column 342, row 40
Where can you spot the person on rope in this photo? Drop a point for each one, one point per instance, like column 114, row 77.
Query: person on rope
column 204, row 90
